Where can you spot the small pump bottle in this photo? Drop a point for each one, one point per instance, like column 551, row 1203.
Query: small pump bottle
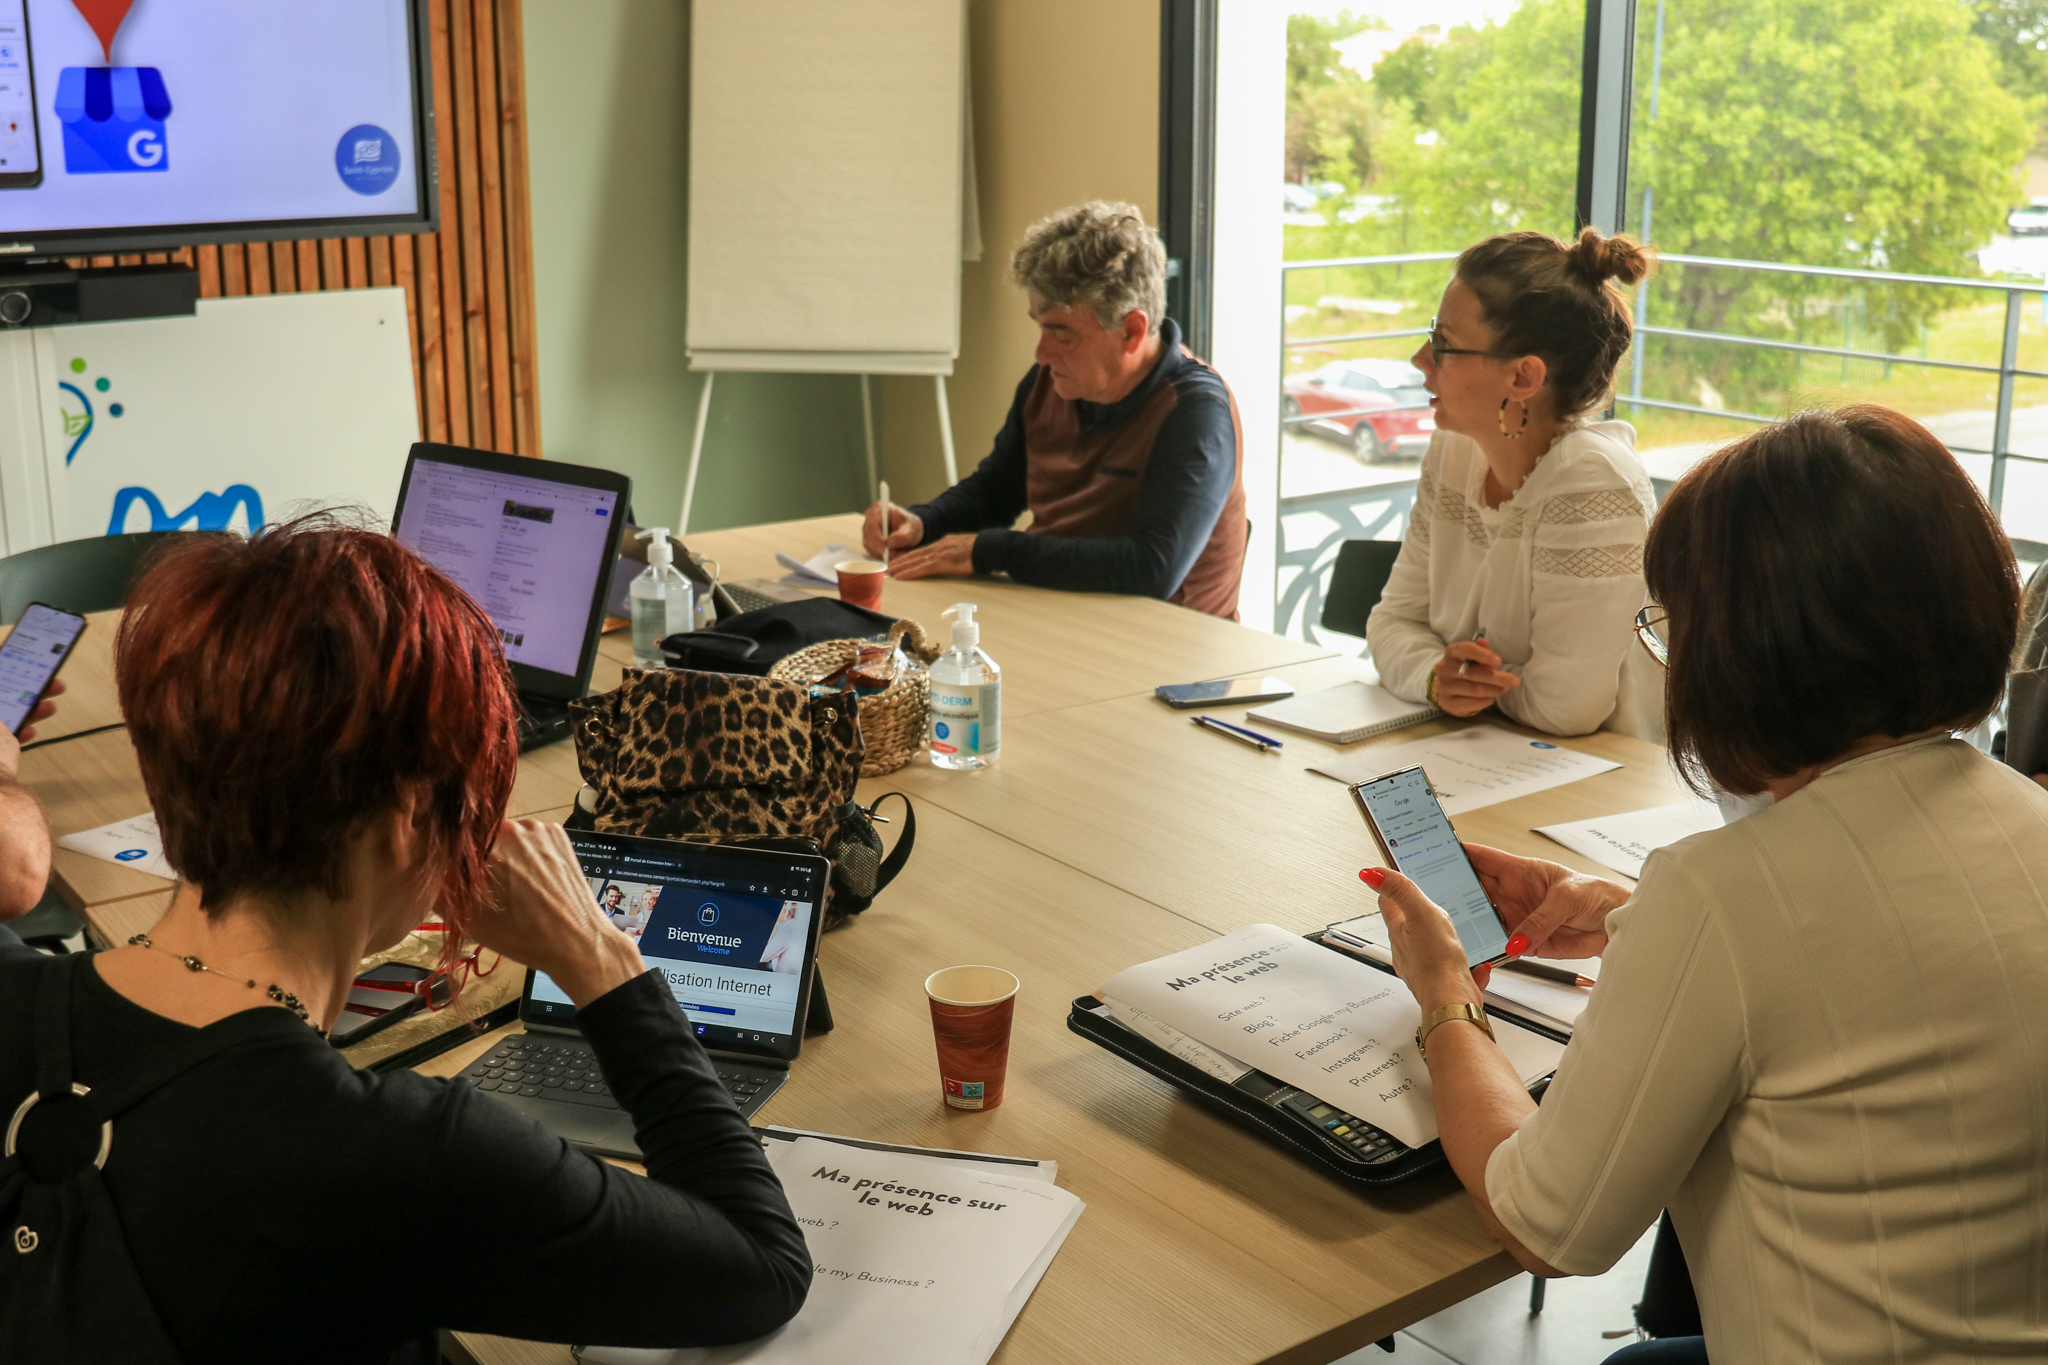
column 966, row 698
column 664, row 603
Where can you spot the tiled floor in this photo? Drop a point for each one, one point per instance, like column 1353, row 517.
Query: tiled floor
column 1495, row 1328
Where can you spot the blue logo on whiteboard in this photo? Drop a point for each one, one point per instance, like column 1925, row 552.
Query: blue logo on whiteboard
column 207, row 512
column 366, row 159
column 129, row 855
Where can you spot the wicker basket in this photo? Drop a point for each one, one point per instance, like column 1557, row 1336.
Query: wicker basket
column 891, row 721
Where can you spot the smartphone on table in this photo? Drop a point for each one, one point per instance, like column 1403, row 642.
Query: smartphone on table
column 1228, row 692
column 1416, row 837
column 29, row 659
column 21, row 156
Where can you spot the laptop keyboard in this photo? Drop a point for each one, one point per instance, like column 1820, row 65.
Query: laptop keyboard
column 526, row 1066
column 750, row 599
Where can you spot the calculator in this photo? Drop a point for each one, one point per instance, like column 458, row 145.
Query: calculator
column 1346, row 1136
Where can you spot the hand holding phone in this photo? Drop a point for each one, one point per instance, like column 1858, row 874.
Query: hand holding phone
column 1416, row 837
column 29, row 659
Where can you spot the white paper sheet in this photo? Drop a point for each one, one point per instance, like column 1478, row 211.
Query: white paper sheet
column 1316, row 1019
column 1024, row 1168
column 1473, row 767
column 821, row 570
column 132, row 843
column 1624, row 842
column 1548, row 1003
column 1200, row 1056
column 894, row 1282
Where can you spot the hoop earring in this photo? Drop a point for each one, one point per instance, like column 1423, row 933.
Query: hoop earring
column 1516, row 434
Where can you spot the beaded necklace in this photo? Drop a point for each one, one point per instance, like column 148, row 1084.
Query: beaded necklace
column 277, row 993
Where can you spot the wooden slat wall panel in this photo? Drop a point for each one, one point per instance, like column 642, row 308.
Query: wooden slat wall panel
column 468, row 288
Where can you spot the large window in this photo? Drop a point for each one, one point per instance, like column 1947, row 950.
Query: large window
column 1851, row 200
column 1877, row 141
column 1413, row 130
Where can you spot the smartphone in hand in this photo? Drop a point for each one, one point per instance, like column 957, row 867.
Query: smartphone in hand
column 29, row 659
column 1416, row 837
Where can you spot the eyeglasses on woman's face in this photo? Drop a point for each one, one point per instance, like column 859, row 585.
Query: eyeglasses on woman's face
column 1439, row 348
column 1650, row 629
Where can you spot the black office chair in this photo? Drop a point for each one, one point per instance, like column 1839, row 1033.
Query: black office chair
column 50, row 926
column 1669, row 1308
column 93, row 574
column 1356, row 582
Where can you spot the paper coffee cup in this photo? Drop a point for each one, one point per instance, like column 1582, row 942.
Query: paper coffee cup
column 971, row 1012
column 860, row 582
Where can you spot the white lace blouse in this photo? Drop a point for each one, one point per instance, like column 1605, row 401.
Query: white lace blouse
column 1553, row 578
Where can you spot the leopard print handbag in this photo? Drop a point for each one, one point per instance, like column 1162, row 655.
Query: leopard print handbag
column 727, row 758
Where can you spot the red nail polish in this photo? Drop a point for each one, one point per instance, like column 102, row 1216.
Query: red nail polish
column 1518, row 945
column 1373, row 877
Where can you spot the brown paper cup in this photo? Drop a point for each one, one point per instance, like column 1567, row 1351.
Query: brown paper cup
column 860, row 582
column 971, row 1012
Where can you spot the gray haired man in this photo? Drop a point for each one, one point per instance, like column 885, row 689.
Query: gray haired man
column 1124, row 447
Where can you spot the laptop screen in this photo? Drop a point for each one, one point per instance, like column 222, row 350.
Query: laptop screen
column 734, row 931
column 530, row 549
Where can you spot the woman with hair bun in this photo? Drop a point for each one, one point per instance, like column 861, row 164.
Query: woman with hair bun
column 1522, row 572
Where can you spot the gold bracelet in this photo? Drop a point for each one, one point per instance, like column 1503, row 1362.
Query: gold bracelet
column 1464, row 1009
column 1429, row 688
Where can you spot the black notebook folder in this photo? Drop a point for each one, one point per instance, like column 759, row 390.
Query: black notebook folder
column 1318, row 1133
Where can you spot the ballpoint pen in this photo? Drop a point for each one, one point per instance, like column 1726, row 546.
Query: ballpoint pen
column 1265, row 743
column 1543, row 971
column 885, row 520
column 1465, row 665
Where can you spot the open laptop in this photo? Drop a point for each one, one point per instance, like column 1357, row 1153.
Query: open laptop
column 735, row 931
column 533, row 542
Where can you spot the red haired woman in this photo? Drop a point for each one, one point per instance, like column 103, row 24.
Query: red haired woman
column 325, row 726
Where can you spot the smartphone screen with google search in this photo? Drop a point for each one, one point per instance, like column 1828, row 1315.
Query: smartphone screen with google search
column 1416, row 837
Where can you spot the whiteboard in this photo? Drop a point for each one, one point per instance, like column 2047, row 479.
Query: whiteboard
column 250, row 409
column 826, row 151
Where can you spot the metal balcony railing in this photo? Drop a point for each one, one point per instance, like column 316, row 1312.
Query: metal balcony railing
column 2007, row 369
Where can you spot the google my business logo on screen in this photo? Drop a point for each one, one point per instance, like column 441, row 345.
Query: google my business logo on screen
column 113, row 119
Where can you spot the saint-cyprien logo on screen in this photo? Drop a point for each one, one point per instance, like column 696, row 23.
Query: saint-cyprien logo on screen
column 366, row 158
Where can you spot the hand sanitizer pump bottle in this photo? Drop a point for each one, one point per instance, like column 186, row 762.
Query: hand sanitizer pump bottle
column 663, row 601
column 966, row 705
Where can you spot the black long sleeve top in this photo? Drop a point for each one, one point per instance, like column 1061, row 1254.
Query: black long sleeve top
column 277, row 1200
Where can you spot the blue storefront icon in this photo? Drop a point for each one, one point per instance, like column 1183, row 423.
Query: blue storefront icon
column 113, row 119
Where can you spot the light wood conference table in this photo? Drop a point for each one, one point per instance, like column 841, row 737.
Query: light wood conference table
column 1111, row 831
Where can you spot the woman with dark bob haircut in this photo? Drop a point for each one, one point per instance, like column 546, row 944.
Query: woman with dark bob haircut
column 325, row 725
column 1818, row 1034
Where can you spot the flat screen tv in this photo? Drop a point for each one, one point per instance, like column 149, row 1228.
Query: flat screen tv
column 145, row 125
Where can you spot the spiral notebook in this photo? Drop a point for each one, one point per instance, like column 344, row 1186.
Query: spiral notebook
column 1344, row 714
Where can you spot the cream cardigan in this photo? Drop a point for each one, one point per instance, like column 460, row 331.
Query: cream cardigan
column 1820, row 1038
column 1553, row 578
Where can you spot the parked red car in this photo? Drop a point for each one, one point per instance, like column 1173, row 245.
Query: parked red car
column 1379, row 406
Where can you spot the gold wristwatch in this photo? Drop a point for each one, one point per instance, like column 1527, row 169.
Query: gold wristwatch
column 1464, row 1009
column 1429, row 689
